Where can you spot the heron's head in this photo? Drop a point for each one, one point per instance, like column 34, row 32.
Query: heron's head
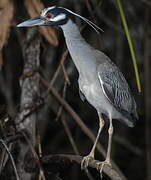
column 51, row 16
column 55, row 16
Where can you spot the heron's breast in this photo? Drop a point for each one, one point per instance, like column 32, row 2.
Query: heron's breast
column 95, row 96
column 92, row 92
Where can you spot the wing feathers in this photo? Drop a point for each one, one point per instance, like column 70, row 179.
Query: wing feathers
column 116, row 89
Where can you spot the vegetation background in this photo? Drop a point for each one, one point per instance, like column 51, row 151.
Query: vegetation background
column 39, row 91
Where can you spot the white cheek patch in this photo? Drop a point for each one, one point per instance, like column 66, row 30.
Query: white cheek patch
column 58, row 18
column 44, row 11
column 52, row 7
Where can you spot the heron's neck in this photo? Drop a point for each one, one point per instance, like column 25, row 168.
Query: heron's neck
column 79, row 49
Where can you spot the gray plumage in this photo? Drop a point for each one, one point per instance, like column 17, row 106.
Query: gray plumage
column 100, row 80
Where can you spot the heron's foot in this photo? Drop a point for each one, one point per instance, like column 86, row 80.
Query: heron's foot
column 101, row 165
column 85, row 161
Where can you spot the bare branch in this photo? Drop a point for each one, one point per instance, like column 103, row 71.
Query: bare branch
column 66, row 159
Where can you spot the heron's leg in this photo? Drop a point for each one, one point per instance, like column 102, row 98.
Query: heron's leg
column 107, row 160
column 85, row 161
column 101, row 125
column 110, row 131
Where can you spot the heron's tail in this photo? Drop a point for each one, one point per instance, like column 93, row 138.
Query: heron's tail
column 130, row 119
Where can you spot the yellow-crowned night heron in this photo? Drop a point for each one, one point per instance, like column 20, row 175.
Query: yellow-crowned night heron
column 100, row 80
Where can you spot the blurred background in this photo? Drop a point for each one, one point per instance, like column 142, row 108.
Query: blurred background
column 56, row 127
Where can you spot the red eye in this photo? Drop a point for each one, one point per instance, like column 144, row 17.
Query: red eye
column 49, row 16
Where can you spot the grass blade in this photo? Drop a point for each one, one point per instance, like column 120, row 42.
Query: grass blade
column 130, row 43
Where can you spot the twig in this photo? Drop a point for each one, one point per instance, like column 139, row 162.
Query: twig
column 4, row 154
column 3, row 157
column 59, row 67
column 34, row 154
column 66, row 159
column 67, row 130
column 69, row 135
column 11, row 158
column 65, row 73
column 61, row 108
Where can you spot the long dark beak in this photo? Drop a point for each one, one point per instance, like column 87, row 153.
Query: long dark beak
column 37, row 21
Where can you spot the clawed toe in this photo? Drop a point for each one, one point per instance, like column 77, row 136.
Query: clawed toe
column 85, row 161
column 101, row 165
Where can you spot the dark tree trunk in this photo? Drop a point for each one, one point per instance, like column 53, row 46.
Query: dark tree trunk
column 29, row 84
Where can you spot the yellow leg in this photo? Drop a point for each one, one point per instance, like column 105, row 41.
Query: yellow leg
column 110, row 131
column 108, row 159
column 86, row 159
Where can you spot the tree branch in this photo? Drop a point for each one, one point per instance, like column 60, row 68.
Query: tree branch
column 66, row 159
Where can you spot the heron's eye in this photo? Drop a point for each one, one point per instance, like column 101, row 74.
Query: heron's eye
column 49, row 16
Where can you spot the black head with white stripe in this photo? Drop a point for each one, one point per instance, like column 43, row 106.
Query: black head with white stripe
column 51, row 16
column 55, row 16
